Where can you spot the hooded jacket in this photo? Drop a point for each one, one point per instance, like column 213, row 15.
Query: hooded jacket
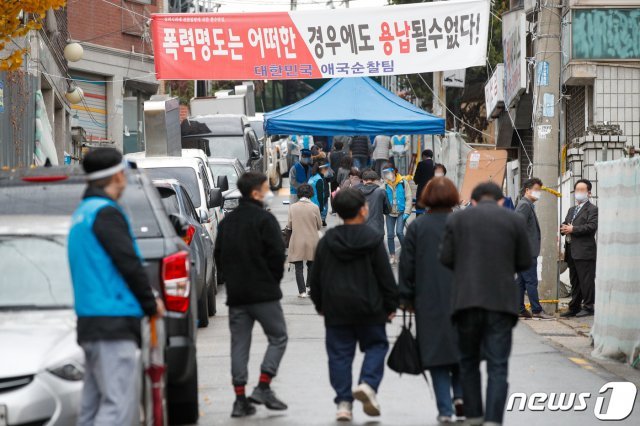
column 351, row 279
column 378, row 205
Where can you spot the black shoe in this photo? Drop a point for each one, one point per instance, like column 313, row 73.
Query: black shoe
column 268, row 398
column 568, row 314
column 242, row 408
column 584, row 313
column 324, row 223
column 526, row 314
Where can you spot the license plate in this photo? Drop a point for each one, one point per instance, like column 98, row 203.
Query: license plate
column 4, row 420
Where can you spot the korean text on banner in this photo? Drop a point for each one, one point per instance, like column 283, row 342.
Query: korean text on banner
column 330, row 43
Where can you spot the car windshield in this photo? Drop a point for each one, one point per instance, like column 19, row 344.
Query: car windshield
column 227, row 147
column 185, row 175
column 35, row 273
column 257, row 127
column 225, row 170
column 63, row 199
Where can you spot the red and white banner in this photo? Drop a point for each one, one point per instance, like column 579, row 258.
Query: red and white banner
column 407, row 39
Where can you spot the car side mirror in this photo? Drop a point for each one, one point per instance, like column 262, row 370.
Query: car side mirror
column 222, row 183
column 204, row 216
column 255, row 155
column 179, row 224
column 215, row 198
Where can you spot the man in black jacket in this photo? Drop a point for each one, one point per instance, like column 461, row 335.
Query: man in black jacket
column 377, row 199
column 580, row 228
column 424, row 172
column 111, row 291
column 485, row 246
column 360, row 151
column 249, row 252
column 353, row 287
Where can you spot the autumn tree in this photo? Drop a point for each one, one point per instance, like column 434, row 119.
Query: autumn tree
column 17, row 18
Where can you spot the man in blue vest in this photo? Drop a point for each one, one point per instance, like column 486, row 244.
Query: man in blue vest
column 299, row 174
column 112, row 294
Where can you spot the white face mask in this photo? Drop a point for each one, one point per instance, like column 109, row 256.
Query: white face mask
column 268, row 198
column 581, row 196
column 439, row 174
column 536, row 195
column 389, row 176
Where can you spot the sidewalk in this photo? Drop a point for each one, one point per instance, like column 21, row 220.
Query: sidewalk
column 574, row 334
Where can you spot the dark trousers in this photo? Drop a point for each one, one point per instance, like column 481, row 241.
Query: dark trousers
column 241, row 319
column 487, row 334
column 300, row 275
column 582, row 274
column 341, row 343
column 528, row 282
column 446, row 378
column 360, row 162
column 378, row 166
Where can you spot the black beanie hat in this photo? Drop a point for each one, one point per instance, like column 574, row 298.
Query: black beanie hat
column 102, row 162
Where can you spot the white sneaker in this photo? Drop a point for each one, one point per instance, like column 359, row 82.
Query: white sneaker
column 344, row 412
column 445, row 420
column 303, row 295
column 365, row 394
column 392, row 259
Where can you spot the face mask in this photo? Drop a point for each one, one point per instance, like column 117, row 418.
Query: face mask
column 268, row 198
column 305, row 160
column 581, row 196
column 389, row 176
column 536, row 195
column 439, row 174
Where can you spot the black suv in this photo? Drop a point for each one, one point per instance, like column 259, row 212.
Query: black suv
column 224, row 136
column 57, row 191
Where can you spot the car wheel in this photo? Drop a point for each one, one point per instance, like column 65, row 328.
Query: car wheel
column 211, row 295
column 183, row 400
column 276, row 183
column 203, row 309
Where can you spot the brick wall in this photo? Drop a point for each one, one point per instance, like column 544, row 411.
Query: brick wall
column 104, row 24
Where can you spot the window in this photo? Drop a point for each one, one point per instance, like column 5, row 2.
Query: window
column 185, row 175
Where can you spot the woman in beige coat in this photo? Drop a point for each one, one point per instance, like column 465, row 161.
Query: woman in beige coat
column 304, row 222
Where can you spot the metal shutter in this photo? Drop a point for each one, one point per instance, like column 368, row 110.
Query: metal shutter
column 92, row 112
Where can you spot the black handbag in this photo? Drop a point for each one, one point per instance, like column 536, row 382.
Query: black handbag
column 286, row 236
column 405, row 354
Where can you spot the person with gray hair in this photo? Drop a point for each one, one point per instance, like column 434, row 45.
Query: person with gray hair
column 376, row 199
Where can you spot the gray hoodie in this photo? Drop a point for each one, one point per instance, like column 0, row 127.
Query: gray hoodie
column 378, row 205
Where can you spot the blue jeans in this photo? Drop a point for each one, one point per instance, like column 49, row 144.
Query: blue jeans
column 528, row 281
column 395, row 226
column 445, row 379
column 488, row 334
column 360, row 162
column 325, row 210
column 341, row 343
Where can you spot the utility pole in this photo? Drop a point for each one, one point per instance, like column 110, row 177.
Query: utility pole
column 546, row 143
column 294, row 4
column 440, row 104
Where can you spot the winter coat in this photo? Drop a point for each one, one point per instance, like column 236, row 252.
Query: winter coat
column 424, row 173
column 360, row 146
column 526, row 209
column 335, row 158
column 351, row 182
column 400, row 196
column 426, row 285
column 485, row 246
column 378, row 205
column 382, row 146
column 304, row 222
column 351, row 279
column 249, row 253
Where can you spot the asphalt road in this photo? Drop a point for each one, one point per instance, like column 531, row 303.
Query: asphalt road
column 536, row 365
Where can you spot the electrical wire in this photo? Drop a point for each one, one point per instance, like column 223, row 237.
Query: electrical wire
column 139, row 77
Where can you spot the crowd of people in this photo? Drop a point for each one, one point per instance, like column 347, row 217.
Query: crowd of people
column 455, row 274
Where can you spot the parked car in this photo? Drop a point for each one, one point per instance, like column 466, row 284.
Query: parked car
column 57, row 191
column 224, row 136
column 232, row 169
column 177, row 202
column 278, row 162
column 257, row 124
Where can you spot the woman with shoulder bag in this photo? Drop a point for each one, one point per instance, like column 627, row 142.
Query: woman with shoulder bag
column 304, row 222
column 426, row 288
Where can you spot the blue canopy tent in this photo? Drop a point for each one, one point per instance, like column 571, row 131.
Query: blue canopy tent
column 352, row 106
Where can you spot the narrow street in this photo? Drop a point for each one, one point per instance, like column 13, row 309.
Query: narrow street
column 536, row 365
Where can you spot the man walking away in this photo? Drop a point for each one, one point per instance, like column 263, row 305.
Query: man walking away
column 377, row 200
column 112, row 294
column 299, row 174
column 353, row 287
column 528, row 280
column 424, row 173
column 360, row 151
column 485, row 246
column 335, row 160
column 249, row 252
column 580, row 228
column 381, row 148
